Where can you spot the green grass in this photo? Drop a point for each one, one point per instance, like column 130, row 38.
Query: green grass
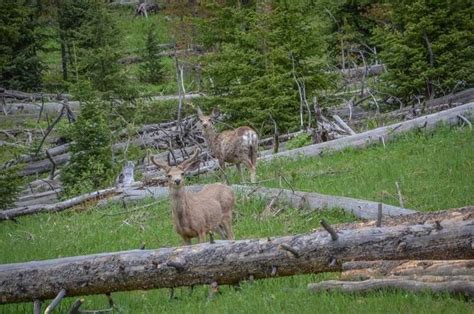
column 431, row 168
column 434, row 170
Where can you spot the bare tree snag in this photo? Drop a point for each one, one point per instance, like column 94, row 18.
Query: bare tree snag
column 229, row 262
column 364, row 139
column 382, row 268
column 417, row 286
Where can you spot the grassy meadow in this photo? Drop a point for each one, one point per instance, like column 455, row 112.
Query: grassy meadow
column 434, row 170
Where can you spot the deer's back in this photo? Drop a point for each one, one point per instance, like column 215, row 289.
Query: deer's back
column 233, row 144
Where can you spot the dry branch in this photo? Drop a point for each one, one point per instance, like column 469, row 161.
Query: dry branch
column 462, row 287
column 229, row 262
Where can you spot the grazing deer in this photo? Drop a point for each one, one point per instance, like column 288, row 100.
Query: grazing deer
column 196, row 214
column 233, row 146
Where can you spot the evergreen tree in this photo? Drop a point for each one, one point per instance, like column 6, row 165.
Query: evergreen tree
column 152, row 69
column 91, row 43
column 91, row 163
column 20, row 42
column 256, row 53
column 427, row 47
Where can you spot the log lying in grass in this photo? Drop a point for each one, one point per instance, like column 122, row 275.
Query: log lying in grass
column 377, row 269
column 360, row 208
column 463, row 287
column 373, row 136
column 52, row 208
column 229, row 262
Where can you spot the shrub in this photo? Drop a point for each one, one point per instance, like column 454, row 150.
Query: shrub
column 299, row 141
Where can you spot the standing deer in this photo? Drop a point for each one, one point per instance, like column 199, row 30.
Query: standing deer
column 233, row 146
column 196, row 214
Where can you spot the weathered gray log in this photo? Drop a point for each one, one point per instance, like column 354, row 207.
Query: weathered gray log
column 360, row 208
column 229, row 262
column 463, row 287
column 10, row 93
column 376, row 269
column 464, row 96
column 44, row 165
column 52, row 208
column 364, row 139
column 46, row 197
column 362, row 71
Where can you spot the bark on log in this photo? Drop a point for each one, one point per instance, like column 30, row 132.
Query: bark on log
column 52, row 208
column 462, row 287
column 360, row 208
column 229, row 262
column 360, row 140
column 376, row 269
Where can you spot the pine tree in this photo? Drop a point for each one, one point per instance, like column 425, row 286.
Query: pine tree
column 91, row 163
column 152, row 68
column 20, row 42
column 91, row 43
column 427, row 47
column 255, row 55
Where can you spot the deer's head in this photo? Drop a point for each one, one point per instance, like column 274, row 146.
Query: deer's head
column 175, row 174
column 208, row 121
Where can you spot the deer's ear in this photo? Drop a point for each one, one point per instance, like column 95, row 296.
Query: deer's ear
column 216, row 112
column 160, row 164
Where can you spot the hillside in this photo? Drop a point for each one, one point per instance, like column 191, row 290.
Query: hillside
column 369, row 100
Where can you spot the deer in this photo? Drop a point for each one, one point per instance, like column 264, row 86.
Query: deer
column 237, row 146
column 196, row 214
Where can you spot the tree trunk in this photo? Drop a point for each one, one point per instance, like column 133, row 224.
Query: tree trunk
column 463, row 287
column 229, row 262
column 376, row 269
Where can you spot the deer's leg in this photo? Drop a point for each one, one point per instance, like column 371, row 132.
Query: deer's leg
column 227, row 223
column 202, row 236
column 221, row 230
column 186, row 240
column 222, row 167
column 252, row 170
column 239, row 169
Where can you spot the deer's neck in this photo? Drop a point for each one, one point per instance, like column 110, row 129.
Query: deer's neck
column 179, row 204
column 211, row 138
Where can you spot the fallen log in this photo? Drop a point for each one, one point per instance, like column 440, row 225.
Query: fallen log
column 463, row 287
column 376, row 269
column 353, row 74
column 52, row 208
column 360, row 208
column 229, row 262
column 44, row 165
column 364, row 139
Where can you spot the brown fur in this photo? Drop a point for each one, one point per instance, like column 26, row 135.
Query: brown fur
column 238, row 146
column 196, row 214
